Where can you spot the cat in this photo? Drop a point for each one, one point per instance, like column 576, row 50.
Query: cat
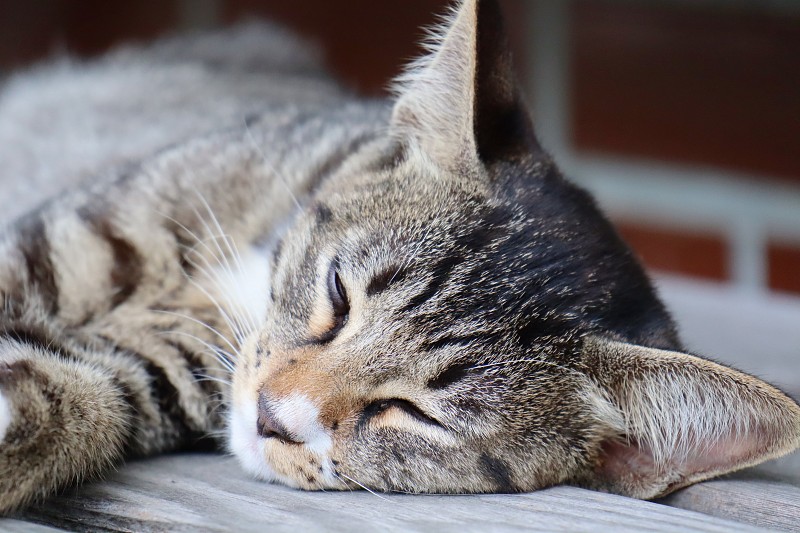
column 400, row 294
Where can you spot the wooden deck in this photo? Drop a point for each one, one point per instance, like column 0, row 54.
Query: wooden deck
column 211, row 493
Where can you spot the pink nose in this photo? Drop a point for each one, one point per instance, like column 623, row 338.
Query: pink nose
column 268, row 425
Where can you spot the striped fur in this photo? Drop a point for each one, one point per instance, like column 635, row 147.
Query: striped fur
column 398, row 295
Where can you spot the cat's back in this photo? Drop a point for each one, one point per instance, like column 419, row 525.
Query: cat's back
column 66, row 121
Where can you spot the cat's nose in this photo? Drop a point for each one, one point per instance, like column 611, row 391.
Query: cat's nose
column 269, row 425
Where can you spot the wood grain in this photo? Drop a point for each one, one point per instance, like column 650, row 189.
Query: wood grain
column 745, row 497
column 18, row 526
column 687, row 82
column 210, row 493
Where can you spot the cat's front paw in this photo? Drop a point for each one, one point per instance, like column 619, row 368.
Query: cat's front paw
column 17, row 486
column 59, row 422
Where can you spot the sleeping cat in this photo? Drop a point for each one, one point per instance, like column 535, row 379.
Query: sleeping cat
column 402, row 295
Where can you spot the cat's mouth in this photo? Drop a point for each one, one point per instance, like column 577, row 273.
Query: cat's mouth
column 269, row 451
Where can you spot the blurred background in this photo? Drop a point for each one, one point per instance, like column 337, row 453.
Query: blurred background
column 682, row 116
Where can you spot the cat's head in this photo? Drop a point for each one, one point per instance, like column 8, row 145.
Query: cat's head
column 450, row 315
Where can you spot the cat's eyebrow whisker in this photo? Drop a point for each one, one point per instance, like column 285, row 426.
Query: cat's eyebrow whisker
column 206, row 272
column 405, row 264
column 274, row 170
column 239, row 327
column 516, row 361
column 230, row 244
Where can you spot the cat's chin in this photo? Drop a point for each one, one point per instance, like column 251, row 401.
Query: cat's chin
column 5, row 416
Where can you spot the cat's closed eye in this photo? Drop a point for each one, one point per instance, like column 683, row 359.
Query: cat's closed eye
column 407, row 407
column 340, row 304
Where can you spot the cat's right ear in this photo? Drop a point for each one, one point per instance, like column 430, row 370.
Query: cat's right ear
column 677, row 419
column 461, row 102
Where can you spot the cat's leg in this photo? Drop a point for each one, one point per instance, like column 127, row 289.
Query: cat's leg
column 70, row 408
column 109, row 339
column 61, row 420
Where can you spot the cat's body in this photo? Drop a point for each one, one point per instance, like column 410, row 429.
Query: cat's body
column 65, row 122
column 413, row 296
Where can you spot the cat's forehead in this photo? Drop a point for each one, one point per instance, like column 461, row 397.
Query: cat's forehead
column 400, row 184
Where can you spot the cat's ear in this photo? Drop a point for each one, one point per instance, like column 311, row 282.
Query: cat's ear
column 462, row 100
column 683, row 419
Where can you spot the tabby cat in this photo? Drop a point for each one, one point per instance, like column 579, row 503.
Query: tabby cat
column 403, row 295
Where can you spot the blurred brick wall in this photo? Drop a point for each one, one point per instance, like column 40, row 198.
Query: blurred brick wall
column 366, row 42
column 688, row 83
column 691, row 84
column 32, row 29
column 672, row 82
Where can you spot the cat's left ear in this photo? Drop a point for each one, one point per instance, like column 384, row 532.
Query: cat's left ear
column 462, row 100
column 678, row 419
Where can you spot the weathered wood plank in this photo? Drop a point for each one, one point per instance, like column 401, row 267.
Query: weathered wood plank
column 757, row 501
column 18, row 526
column 206, row 492
column 756, row 333
column 761, row 496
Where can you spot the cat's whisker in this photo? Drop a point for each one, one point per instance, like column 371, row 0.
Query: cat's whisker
column 232, row 249
column 348, row 478
column 191, row 233
column 244, row 312
column 242, row 324
column 203, row 243
column 223, row 356
column 205, row 377
column 235, row 323
column 235, row 328
column 518, row 361
column 240, row 319
column 199, row 322
column 221, row 257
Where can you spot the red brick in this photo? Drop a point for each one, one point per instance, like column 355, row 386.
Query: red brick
column 366, row 42
column 702, row 85
column 784, row 266
column 32, row 30
column 27, row 30
column 92, row 26
column 702, row 255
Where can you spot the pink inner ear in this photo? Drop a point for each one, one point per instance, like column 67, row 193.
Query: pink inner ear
column 625, row 459
column 721, row 455
column 634, row 461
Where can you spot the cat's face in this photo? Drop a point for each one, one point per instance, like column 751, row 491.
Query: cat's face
column 411, row 344
column 435, row 315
